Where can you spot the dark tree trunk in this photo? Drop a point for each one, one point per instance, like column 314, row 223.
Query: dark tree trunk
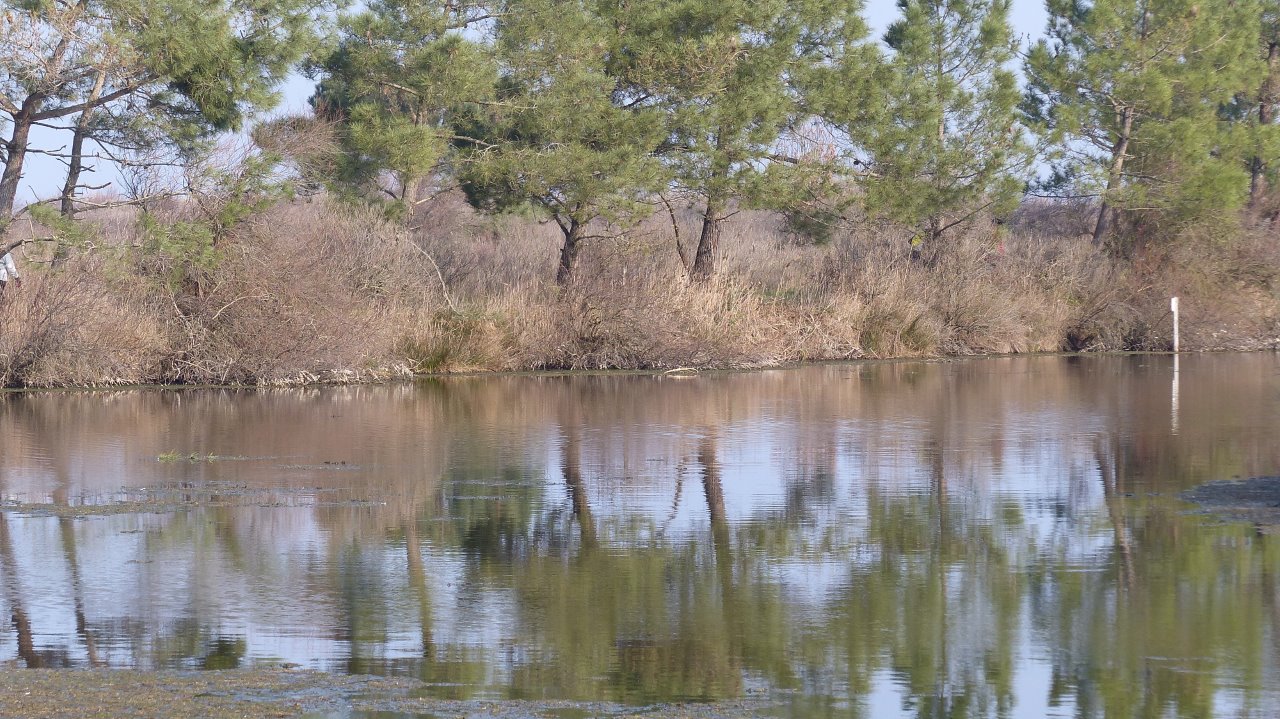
column 15, row 155
column 704, row 261
column 1118, row 154
column 409, row 190
column 75, row 166
column 13, row 596
column 722, row 550
column 420, row 586
column 76, row 163
column 569, row 253
column 1266, row 115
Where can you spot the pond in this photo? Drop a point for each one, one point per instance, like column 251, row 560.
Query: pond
column 989, row 537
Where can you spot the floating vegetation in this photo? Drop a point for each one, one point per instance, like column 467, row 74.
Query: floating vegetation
column 186, row 496
column 193, row 457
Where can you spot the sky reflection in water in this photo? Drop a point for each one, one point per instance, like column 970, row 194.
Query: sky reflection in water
column 980, row 538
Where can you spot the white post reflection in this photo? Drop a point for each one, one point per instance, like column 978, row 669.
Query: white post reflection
column 1173, row 399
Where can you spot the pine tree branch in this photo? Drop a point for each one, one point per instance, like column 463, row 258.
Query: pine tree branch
column 80, row 107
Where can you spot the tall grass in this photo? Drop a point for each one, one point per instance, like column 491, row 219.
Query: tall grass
column 320, row 291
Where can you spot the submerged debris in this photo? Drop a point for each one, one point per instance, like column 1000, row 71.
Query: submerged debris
column 1254, row 500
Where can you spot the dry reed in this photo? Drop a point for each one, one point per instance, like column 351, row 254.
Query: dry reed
column 314, row 290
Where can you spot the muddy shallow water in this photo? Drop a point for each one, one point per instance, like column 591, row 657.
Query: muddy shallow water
column 274, row 693
column 1005, row 536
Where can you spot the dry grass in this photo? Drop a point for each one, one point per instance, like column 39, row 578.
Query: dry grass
column 312, row 290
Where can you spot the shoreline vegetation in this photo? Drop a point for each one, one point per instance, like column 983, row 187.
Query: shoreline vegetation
column 323, row 292
column 543, row 185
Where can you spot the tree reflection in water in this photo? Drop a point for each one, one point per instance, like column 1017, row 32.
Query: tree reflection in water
column 990, row 538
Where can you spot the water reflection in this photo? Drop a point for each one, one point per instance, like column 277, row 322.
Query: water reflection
column 998, row 537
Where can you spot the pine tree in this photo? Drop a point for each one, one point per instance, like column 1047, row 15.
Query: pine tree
column 1261, row 109
column 1131, row 93
column 394, row 84
column 133, row 73
column 556, row 139
column 949, row 144
column 729, row 78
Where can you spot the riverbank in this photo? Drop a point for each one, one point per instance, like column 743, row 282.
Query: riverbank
column 279, row 693
column 318, row 292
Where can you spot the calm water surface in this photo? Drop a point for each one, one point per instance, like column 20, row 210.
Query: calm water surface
column 979, row 538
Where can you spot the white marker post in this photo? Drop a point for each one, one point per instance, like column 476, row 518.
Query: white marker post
column 1173, row 307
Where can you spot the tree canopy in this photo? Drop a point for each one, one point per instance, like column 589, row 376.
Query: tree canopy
column 949, row 144
column 132, row 75
column 556, row 138
column 1131, row 94
column 593, row 113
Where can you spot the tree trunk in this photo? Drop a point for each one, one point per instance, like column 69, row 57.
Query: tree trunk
column 935, row 234
column 20, row 139
column 409, row 191
column 704, row 261
column 1266, row 115
column 681, row 252
column 16, row 154
column 939, row 99
column 714, row 491
column 569, row 253
column 76, row 163
column 67, row 205
column 1118, row 153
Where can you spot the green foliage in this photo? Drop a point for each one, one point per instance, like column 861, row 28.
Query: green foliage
column 207, row 63
column 399, row 77
column 186, row 248
column 730, row 78
column 141, row 78
column 557, row 138
column 222, row 59
column 948, row 143
column 65, row 233
column 1252, row 112
column 1131, row 95
column 222, row 198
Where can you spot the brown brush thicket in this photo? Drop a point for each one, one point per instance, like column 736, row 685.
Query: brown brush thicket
column 317, row 290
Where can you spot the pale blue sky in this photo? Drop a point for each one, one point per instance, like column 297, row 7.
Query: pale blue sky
column 44, row 175
column 1028, row 16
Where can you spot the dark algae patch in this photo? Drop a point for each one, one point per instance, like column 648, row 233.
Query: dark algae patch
column 1255, row 500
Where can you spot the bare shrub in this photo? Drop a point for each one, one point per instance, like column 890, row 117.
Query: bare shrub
column 75, row 327
column 321, row 290
column 35, row 322
column 1054, row 218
